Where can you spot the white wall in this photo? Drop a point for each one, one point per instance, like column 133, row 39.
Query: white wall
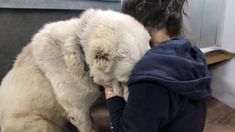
column 223, row 83
column 228, row 29
column 202, row 21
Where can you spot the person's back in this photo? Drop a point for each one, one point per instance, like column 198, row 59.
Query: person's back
column 170, row 85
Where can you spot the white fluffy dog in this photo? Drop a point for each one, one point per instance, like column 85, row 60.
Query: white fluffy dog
column 52, row 80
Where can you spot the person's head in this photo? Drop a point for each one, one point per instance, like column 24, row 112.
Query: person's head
column 157, row 14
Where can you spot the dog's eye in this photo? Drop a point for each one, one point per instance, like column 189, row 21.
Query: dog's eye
column 100, row 55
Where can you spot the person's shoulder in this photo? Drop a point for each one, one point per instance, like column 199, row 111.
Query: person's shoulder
column 145, row 64
column 145, row 60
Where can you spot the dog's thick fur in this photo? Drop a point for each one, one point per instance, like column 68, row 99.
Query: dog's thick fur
column 50, row 83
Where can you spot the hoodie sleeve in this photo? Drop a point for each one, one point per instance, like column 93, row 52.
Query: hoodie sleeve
column 146, row 110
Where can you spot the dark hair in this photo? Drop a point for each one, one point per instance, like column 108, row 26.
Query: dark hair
column 157, row 13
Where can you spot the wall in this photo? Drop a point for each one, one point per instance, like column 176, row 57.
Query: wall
column 223, row 83
column 60, row 4
column 17, row 26
column 202, row 21
column 228, row 32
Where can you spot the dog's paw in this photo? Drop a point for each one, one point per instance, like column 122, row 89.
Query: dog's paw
column 81, row 121
column 74, row 120
column 93, row 130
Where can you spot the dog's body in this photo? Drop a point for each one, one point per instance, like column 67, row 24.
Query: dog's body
column 50, row 82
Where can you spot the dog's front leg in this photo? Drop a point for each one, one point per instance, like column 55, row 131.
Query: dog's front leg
column 76, row 99
column 62, row 67
column 84, row 123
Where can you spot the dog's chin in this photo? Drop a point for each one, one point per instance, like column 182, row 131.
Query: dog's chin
column 100, row 80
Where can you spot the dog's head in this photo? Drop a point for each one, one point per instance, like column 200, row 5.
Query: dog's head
column 113, row 44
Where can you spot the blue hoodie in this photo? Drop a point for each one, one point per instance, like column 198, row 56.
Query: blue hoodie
column 168, row 91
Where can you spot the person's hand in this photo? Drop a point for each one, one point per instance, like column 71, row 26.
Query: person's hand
column 109, row 93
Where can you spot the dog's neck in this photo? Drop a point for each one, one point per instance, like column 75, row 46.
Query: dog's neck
column 86, row 66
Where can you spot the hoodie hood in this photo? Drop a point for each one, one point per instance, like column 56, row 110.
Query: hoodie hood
column 177, row 66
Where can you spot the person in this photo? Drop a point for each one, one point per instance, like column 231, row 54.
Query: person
column 169, row 87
